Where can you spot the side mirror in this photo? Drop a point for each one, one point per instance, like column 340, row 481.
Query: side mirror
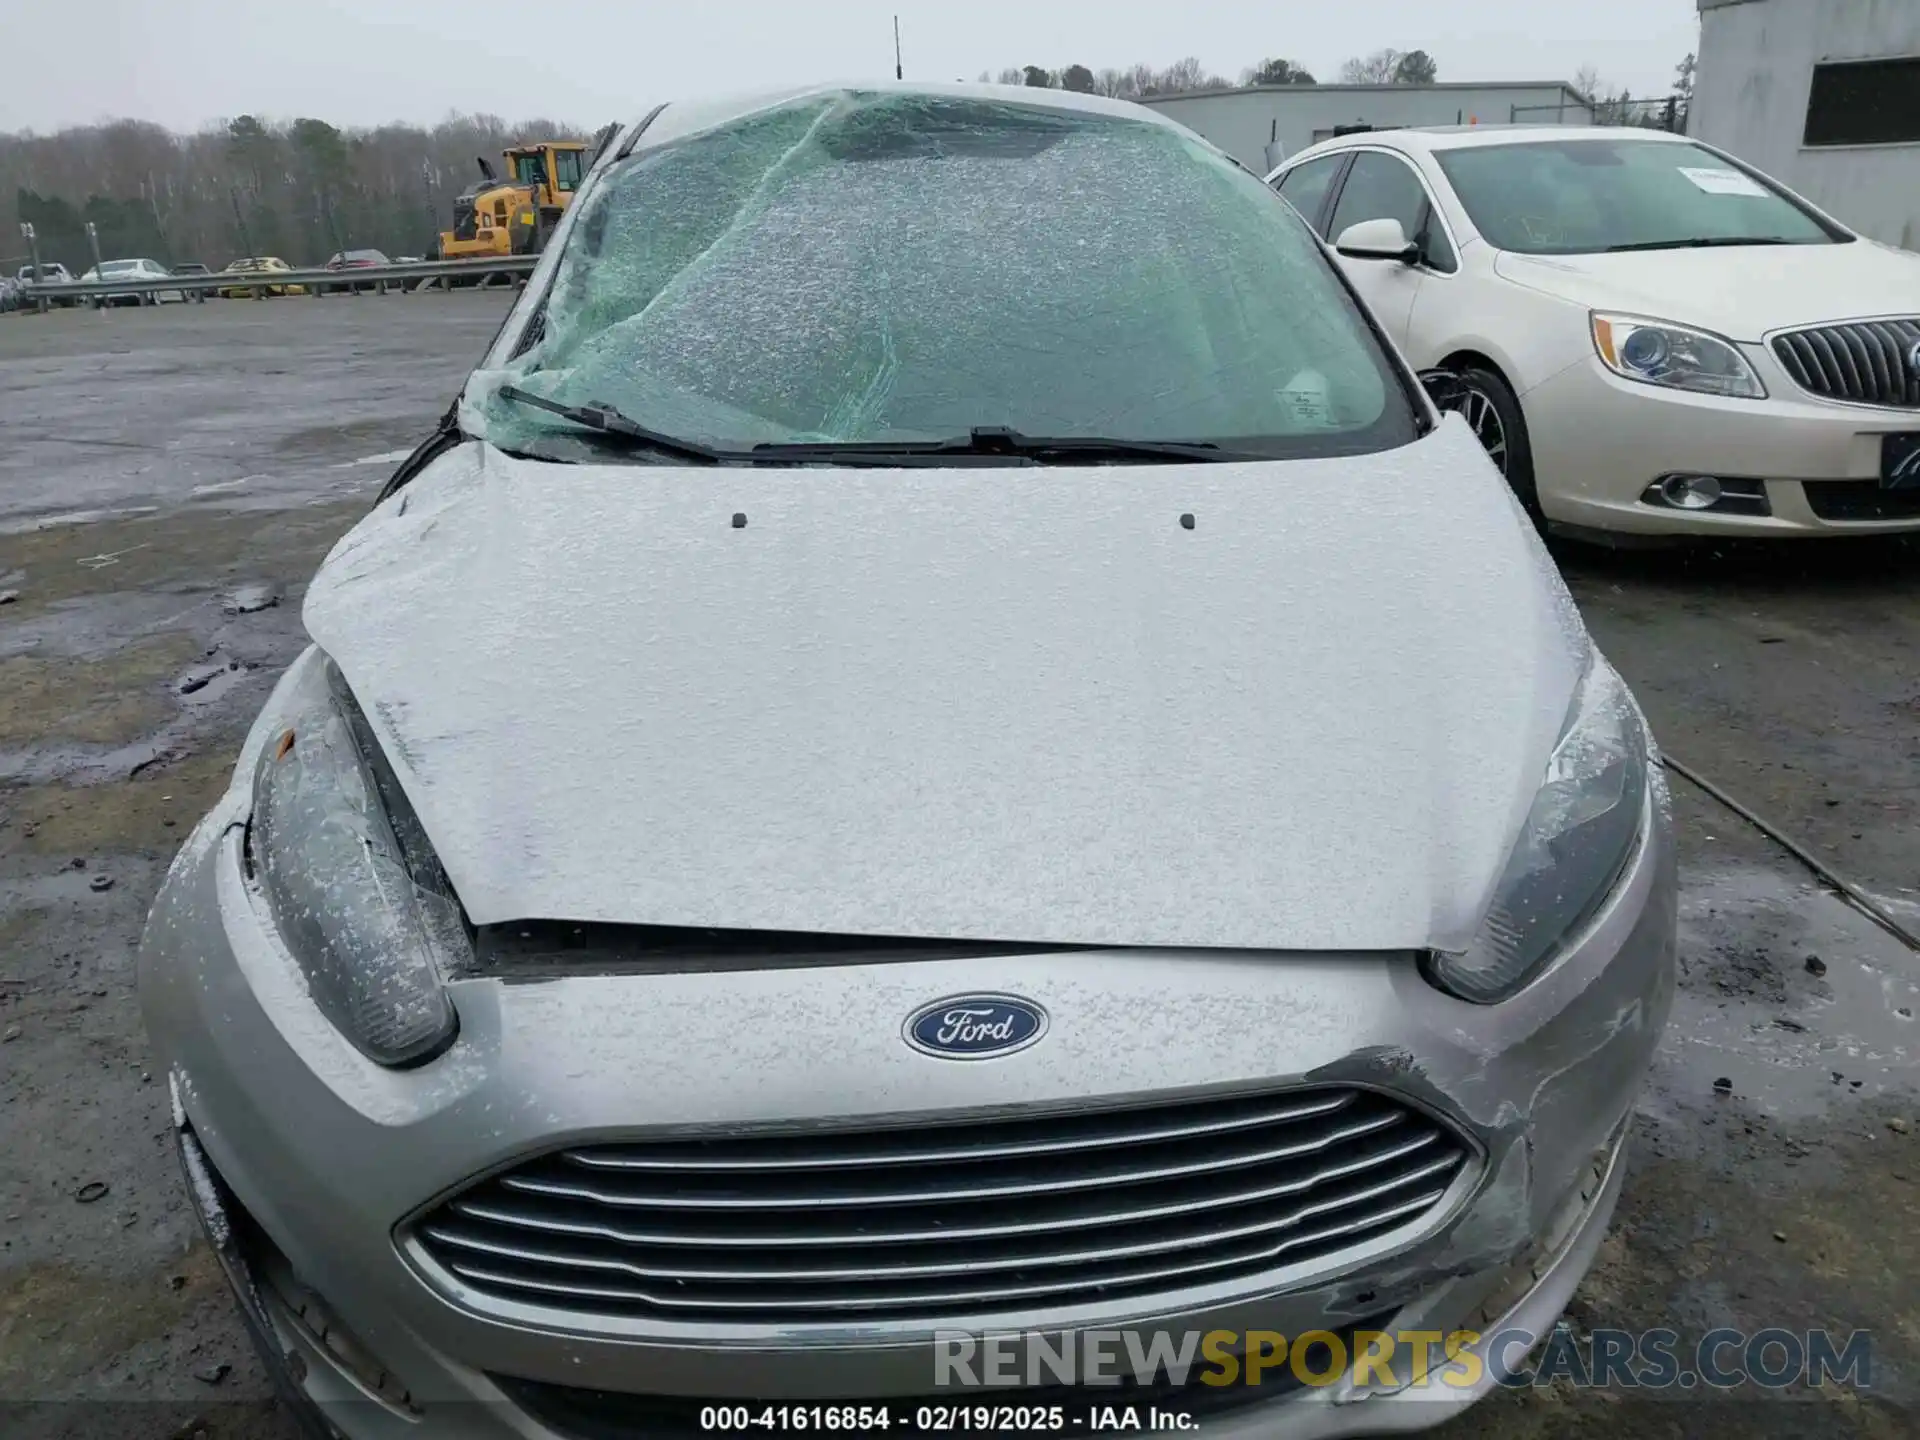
column 1445, row 388
column 1377, row 240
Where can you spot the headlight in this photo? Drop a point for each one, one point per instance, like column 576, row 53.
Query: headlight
column 1658, row 353
column 1579, row 835
column 350, row 881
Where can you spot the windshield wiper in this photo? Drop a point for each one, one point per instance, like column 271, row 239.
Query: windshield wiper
column 998, row 440
column 607, row 421
column 1706, row 243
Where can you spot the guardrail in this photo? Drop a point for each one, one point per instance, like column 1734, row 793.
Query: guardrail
column 418, row 275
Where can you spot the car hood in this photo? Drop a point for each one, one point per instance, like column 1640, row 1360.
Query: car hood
column 1742, row 293
column 994, row 703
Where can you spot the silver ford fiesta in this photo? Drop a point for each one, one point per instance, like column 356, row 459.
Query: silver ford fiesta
column 942, row 771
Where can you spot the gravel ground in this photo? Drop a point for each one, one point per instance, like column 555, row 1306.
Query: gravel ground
column 159, row 461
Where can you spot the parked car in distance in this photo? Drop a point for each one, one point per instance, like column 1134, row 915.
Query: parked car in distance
column 357, row 260
column 262, row 266
column 195, row 269
column 139, row 269
column 1652, row 337
column 49, row 273
column 1159, row 839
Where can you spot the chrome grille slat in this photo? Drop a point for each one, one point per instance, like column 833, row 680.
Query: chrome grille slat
column 1013, row 1231
column 1884, row 365
column 950, row 1218
column 912, row 1269
column 1790, row 349
column 1867, row 362
column 1825, row 348
column 972, row 1297
column 968, row 1186
column 1110, row 1132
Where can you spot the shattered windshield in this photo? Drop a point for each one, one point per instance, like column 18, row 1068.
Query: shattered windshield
column 857, row 267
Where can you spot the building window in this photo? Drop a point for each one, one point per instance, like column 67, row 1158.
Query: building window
column 1865, row 102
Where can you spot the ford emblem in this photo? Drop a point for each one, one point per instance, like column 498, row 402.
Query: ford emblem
column 975, row 1027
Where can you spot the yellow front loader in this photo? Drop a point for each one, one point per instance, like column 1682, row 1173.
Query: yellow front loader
column 515, row 215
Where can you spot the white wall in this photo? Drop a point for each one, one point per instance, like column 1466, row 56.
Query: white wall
column 1750, row 99
column 1242, row 122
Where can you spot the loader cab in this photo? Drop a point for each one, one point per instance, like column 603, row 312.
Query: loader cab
column 553, row 172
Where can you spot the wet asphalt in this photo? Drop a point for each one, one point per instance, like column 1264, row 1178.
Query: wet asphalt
column 169, row 479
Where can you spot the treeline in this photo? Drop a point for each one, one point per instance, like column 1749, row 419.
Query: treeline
column 304, row 189
column 1382, row 67
column 300, row 190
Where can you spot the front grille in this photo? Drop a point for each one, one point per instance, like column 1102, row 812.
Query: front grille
column 1860, row 500
column 1870, row 362
column 952, row 1219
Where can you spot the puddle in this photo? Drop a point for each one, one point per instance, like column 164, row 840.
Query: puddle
column 198, row 690
column 206, row 684
column 1752, row 1010
column 37, row 892
column 249, row 599
column 222, row 487
column 94, row 626
column 385, row 457
column 72, row 517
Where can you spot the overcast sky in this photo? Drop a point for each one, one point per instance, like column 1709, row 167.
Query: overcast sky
column 185, row 63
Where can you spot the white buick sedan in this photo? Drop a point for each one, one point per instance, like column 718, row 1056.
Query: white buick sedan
column 1652, row 337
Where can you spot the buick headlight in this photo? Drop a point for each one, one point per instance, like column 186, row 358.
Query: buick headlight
column 1659, row 353
column 351, row 883
column 1580, row 834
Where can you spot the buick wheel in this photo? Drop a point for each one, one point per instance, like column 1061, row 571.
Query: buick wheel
column 1492, row 411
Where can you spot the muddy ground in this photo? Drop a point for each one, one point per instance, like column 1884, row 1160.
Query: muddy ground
column 161, row 462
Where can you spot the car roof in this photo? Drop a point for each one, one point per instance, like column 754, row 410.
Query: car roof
column 680, row 118
column 1430, row 139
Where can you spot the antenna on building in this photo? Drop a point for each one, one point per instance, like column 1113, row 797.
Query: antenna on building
column 898, row 73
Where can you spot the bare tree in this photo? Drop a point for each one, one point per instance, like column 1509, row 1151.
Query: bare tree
column 1374, row 69
column 1010, row 76
column 1187, row 74
column 1586, row 82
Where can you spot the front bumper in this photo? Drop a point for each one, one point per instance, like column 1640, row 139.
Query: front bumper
column 327, row 1156
column 1599, row 441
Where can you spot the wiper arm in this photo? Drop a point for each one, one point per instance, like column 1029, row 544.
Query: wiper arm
column 608, row 421
column 998, row 440
column 1706, row 243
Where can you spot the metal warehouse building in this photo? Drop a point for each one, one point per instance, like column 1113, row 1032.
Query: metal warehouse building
column 1260, row 125
column 1824, row 95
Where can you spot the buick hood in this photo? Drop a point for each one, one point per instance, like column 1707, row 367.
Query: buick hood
column 1742, row 293
column 994, row 704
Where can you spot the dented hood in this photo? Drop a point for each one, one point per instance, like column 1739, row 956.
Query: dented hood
column 999, row 704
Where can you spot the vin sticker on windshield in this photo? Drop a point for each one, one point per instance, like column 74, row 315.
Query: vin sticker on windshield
column 1723, row 182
